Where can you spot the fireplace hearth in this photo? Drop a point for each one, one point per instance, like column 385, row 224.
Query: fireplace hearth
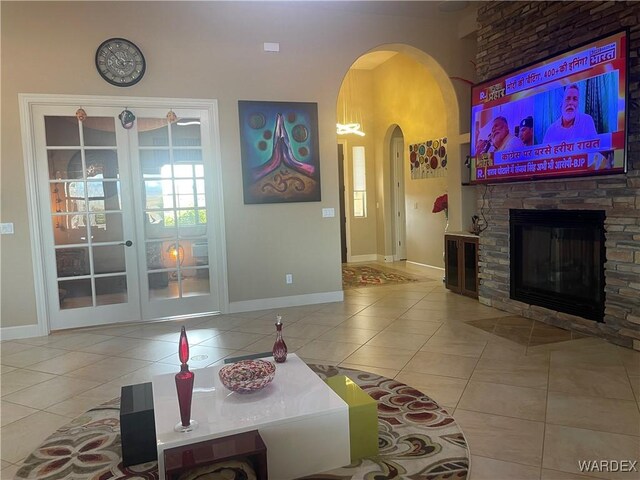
column 557, row 260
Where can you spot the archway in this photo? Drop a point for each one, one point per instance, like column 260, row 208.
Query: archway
column 409, row 90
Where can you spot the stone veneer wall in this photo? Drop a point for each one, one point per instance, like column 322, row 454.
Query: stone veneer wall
column 513, row 34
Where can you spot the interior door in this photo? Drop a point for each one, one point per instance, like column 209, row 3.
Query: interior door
column 86, row 211
column 171, row 163
column 125, row 214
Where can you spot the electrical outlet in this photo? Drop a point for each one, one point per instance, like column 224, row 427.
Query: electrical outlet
column 6, row 228
column 288, row 278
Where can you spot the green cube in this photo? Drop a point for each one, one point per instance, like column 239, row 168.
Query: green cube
column 363, row 417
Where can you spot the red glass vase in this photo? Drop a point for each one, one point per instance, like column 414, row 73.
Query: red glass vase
column 184, row 386
column 279, row 348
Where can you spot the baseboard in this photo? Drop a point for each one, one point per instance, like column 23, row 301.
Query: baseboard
column 24, row 331
column 281, row 302
column 363, row 258
column 437, row 269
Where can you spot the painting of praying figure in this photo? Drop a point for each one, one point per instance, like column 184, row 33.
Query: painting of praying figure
column 279, row 151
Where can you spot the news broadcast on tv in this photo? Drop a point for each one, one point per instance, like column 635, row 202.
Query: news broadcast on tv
column 565, row 116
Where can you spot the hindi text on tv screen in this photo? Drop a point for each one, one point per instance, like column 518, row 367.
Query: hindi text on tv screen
column 565, row 116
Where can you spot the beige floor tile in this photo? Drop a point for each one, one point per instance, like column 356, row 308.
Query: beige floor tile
column 76, row 406
column 630, row 360
column 405, row 341
column 146, row 373
column 556, row 475
column 20, row 379
column 76, row 341
column 259, row 326
column 11, row 412
column 454, row 347
column 383, row 357
column 66, row 363
column 108, row 369
column 565, row 446
column 342, row 308
column 383, row 372
column 444, row 390
column 582, row 358
column 442, row 364
column 199, row 356
column 331, row 319
column 348, row 335
column 20, row 438
column 600, row 381
column 9, row 471
column 413, row 295
column 517, row 370
column 6, row 369
column 506, row 400
column 152, row 350
column 330, row 352
column 635, row 385
column 421, row 315
column 368, row 322
column 375, row 311
column 396, row 302
column 483, row 468
column 32, row 355
column 113, row 346
column 10, row 347
column 224, row 323
column 232, row 340
column 414, row 326
column 50, row 392
column 502, row 438
column 298, row 330
column 595, row 413
column 265, row 344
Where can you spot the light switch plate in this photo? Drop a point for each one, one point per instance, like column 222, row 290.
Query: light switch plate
column 271, row 47
column 328, row 212
column 6, row 228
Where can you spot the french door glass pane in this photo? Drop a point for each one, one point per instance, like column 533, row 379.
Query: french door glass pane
column 61, row 131
column 111, row 290
column 85, row 205
column 108, row 259
column 72, row 262
column 99, row 131
column 60, row 163
column 173, row 189
column 75, row 293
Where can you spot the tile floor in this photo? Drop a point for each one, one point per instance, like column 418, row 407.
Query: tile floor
column 531, row 405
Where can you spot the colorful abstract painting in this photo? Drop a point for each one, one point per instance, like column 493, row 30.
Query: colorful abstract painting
column 279, row 149
column 428, row 159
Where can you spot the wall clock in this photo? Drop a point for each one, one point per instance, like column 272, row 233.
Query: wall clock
column 120, row 62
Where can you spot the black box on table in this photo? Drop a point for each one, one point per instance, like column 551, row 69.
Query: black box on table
column 137, row 425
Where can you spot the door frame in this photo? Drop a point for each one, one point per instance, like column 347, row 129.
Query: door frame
column 399, row 216
column 28, row 101
column 347, row 192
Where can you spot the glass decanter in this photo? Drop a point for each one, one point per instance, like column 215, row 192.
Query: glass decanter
column 279, row 348
column 184, row 386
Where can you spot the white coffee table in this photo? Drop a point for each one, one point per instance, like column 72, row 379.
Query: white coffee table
column 304, row 424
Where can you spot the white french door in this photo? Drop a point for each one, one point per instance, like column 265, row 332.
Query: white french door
column 127, row 228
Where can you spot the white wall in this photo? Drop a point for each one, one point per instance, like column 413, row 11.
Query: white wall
column 207, row 50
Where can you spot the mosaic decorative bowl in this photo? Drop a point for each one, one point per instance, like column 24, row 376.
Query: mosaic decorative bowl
column 247, row 376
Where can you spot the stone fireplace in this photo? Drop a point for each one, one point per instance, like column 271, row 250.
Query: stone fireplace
column 557, row 260
column 617, row 199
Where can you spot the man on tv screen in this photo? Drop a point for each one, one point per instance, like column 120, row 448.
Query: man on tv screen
column 572, row 124
column 500, row 138
column 526, row 131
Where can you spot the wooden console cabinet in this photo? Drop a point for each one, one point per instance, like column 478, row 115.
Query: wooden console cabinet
column 461, row 263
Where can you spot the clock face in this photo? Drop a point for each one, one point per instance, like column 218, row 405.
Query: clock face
column 120, row 62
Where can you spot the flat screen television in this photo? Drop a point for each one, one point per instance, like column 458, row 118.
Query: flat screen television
column 565, row 116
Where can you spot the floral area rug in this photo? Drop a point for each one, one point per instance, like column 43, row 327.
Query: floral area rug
column 418, row 440
column 355, row 276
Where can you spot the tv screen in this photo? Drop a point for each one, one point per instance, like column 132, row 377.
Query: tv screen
column 560, row 117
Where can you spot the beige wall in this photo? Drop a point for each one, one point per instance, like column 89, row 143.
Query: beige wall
column 407, row 95
column 207, row 50
column 355, row 105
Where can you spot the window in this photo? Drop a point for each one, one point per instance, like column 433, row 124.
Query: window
column 359, row 183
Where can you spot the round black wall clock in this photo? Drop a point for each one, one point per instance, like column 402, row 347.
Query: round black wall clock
column 120, row 62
